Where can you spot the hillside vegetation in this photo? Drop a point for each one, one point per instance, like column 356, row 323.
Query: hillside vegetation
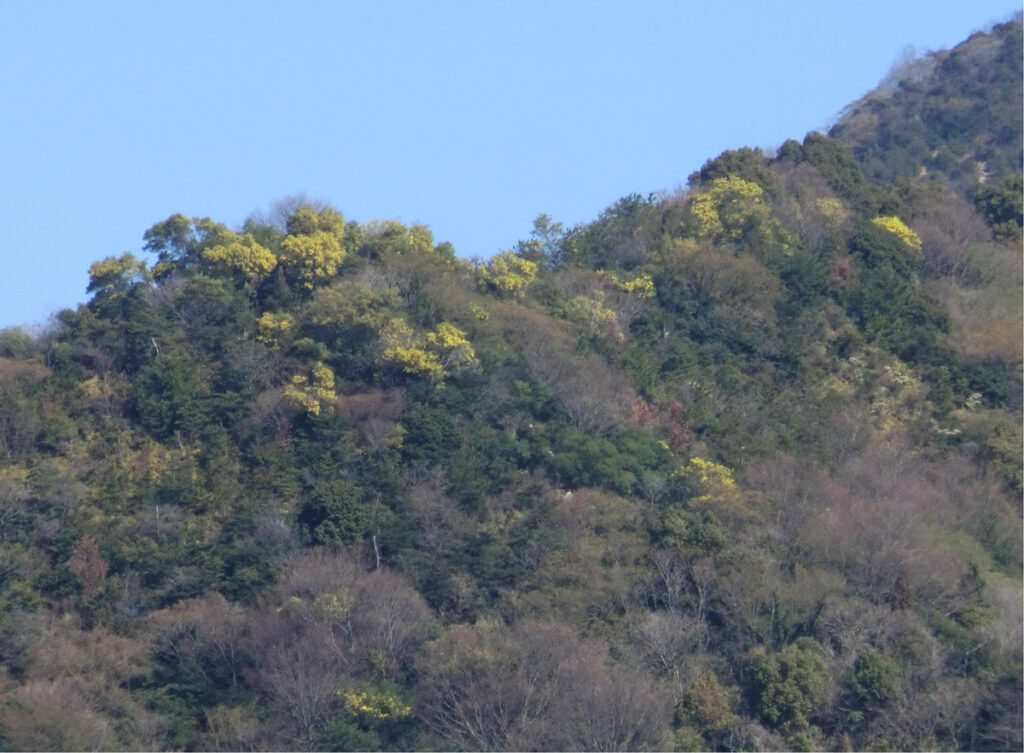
column 733, row 469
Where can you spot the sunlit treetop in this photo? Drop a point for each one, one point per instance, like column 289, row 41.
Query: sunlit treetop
column 307, row 221
column 112, row 277
column 243, row 255
column 507, row 274
column 387, row 237
column 404, row 348
column 179, row 242
column 312, row 258
column 729, row 210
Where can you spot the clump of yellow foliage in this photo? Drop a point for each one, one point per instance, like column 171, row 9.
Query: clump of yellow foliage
column 642, row 286
column 507, row 273
column 595, row 314
column 112, row 277
column 728, row 208
column 433, row 354
column 832, row 211
column 394, row 237
column 374, row 704
column 713, row 480
column 312, row 393
column 312, row 257
column 734, row 210
column 715, row 490
column 895, row 226
column 312, row 250
column 243, row 254
column 275, row 328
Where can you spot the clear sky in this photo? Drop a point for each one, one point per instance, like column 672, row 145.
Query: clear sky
column 471, row 117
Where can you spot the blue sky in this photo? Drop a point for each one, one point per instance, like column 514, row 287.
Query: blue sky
column 471, row 117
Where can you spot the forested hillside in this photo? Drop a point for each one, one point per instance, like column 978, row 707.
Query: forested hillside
column 733, row 469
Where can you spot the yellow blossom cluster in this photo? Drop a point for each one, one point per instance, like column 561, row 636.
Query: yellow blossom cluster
column 243, row 254
column 711, row 478
column 275, row 328
column 312, row 257
column 375, row 705
column 594, row 313
column 507, row 273
column 432, row 354
column 642, row 286
column 895, row 226
column 312, row 393
column 832, row 212
column 728, row 208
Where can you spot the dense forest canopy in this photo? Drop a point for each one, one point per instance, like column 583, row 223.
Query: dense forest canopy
column 736, row 468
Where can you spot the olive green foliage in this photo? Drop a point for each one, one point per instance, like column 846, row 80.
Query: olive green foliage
column 737, row 468
column 1003, row 207
column 876, row 678
column 785, row 686
column 179, row 242
column 335, row 514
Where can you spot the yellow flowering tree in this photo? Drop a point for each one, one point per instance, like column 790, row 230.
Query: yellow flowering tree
column 421, row 239
column 306, row 221
column 507, row 274
column 595, row 315
column 314, row 392
column 832, row 212
column 732, row 210
column 312, row 251
column 703, row 218
column 642, row 286
column 242, row 254
column 711, row 480
column 404, row 348
column 714, row 489
column 111, row 278
column 451, row 346
column 274, row 329
column 375, row 704
column 433, row 354
column 896, row 226
column 312, row 258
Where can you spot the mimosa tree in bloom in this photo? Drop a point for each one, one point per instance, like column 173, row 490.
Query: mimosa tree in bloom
column 729, row 210
column 112, row 277
column 242, row 254
column 313, row 392
column 312, row 252
column 895, row 226
column 508, row 274
column 435, row 354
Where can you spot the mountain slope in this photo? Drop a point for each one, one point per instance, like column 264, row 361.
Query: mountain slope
column 954, row 113
column 733, row 469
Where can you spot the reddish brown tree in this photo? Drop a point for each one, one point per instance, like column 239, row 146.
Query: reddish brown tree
column 88, row 566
